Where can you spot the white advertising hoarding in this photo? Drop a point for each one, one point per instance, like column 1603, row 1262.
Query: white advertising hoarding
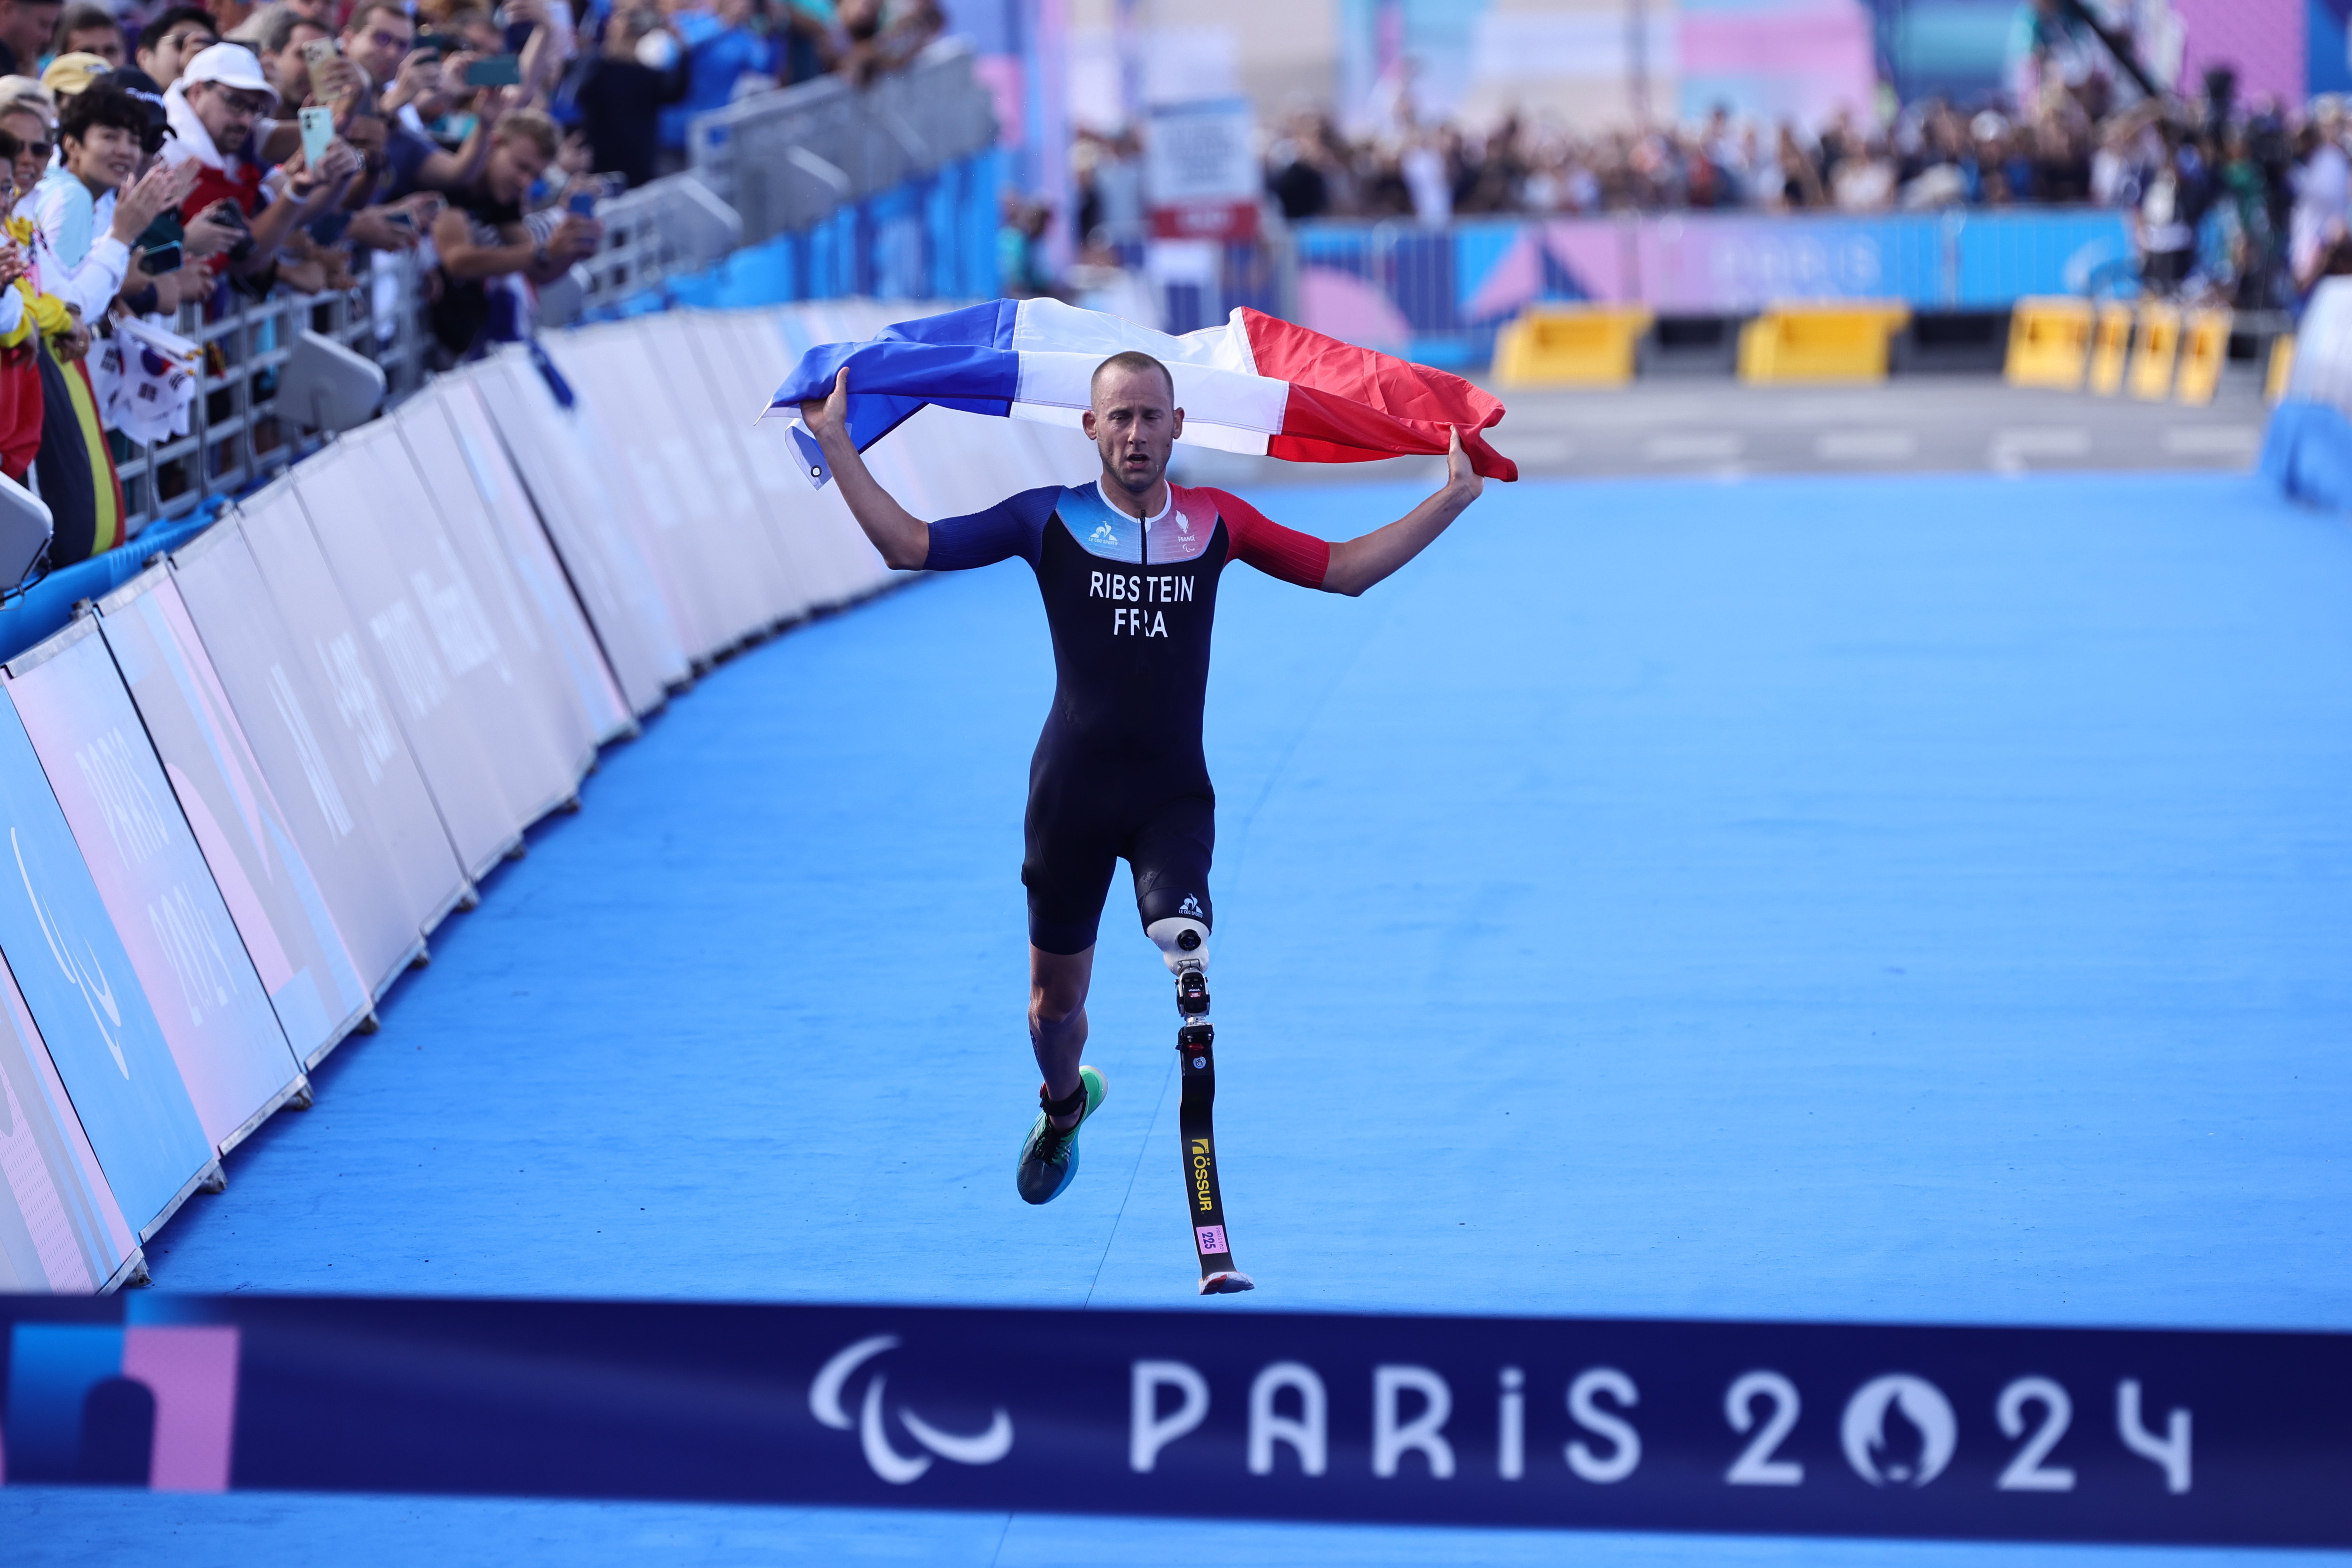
column 402, row 643
column 314, row 983
column 619, row 585
column 390, row 794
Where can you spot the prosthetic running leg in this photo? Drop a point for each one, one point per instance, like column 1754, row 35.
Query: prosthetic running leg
column 1184, row 945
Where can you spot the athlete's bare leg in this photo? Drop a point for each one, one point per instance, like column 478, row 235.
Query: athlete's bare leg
column 1058, row 1019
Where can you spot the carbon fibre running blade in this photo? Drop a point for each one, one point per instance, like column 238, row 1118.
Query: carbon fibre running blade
column 1197, row 1127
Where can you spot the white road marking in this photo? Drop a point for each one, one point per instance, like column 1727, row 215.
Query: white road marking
column 2213, row 440
column 1866, row 446
column 2011, row 449
column 1695, row 448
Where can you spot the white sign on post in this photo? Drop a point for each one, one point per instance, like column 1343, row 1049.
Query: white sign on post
column 1201, row 170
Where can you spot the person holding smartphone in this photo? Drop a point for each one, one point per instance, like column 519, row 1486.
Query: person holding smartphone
column 491, row 260
column 284, row 46
column 380, row 39
column 395, row 226
column 216, row 108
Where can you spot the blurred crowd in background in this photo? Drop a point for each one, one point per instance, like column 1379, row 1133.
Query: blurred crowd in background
column 2215, row 187
column 2234, row 202
column 160, row 164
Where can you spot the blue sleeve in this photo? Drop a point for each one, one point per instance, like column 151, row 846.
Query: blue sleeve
column 1014, row 526
column 405, row 152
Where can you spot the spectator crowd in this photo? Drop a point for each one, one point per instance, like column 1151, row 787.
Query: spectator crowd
column 2241, row 203
column 172, row 159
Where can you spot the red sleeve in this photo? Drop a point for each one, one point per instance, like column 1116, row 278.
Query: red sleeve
column 1276, row 551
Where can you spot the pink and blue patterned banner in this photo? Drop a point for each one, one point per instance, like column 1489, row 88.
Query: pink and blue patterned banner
column 85, row 999
column 184, row 948
column 1439, row 295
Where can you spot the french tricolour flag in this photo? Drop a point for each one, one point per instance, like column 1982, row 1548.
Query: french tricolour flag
column 1255, row 384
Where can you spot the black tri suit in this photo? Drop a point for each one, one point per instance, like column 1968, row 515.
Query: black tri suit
column 1118, row 771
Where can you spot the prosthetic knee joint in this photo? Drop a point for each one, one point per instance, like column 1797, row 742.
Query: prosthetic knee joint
column 1183, row 945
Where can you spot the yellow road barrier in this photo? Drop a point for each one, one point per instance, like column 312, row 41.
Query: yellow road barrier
column 2204, row 352
column 1846, row 341
column 2157, row 353
column 2049, row 344
column 2110, row 348
column 2282, row 368
column 1570, row 345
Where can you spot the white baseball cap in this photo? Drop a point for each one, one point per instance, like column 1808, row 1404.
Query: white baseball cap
column 230, row 65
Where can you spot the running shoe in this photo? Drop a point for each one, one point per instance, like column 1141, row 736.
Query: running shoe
column 1049, row 1156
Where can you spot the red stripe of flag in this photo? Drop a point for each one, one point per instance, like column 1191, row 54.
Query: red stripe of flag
column 1351, row 405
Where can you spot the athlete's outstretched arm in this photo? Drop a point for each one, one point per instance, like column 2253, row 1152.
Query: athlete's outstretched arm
column 904, row 538
column 1358, row 564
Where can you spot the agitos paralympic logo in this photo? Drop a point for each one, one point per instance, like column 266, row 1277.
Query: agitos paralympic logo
column 871, row 1423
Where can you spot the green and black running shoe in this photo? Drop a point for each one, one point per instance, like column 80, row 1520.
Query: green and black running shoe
column 1049, row 1156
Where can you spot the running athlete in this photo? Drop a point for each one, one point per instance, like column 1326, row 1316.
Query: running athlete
column 1127, row 565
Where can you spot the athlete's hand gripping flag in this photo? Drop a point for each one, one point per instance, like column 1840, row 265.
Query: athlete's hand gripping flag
column 1255, row 384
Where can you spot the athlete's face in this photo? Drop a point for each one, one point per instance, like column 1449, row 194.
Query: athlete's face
column 1134, row 423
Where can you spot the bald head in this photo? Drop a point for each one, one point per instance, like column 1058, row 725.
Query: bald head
column 1132, row 361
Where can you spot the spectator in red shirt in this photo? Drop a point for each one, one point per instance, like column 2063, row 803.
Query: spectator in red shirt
column 217, row 110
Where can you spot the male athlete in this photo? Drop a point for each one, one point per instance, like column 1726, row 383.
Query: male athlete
column 1129, row 567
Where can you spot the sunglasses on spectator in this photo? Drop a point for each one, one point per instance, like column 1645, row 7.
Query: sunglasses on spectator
column 40, row 150
column 246, row 102
column 383, row 40
column 186, row 41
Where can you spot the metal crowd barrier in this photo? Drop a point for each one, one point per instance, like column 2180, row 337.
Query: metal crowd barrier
column 239, row 437
column 784, row 160
column 236, row 436
column 672, row 224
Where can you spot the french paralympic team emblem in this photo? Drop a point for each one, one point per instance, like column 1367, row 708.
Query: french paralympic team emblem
column 872, row 1426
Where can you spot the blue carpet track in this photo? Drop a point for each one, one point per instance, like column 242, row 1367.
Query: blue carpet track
column 1906, row 899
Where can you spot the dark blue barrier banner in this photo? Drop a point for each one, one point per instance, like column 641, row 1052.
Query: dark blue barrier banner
column 1802, row 1428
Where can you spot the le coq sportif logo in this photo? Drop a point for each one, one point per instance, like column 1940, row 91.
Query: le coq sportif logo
column 872, row 1420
